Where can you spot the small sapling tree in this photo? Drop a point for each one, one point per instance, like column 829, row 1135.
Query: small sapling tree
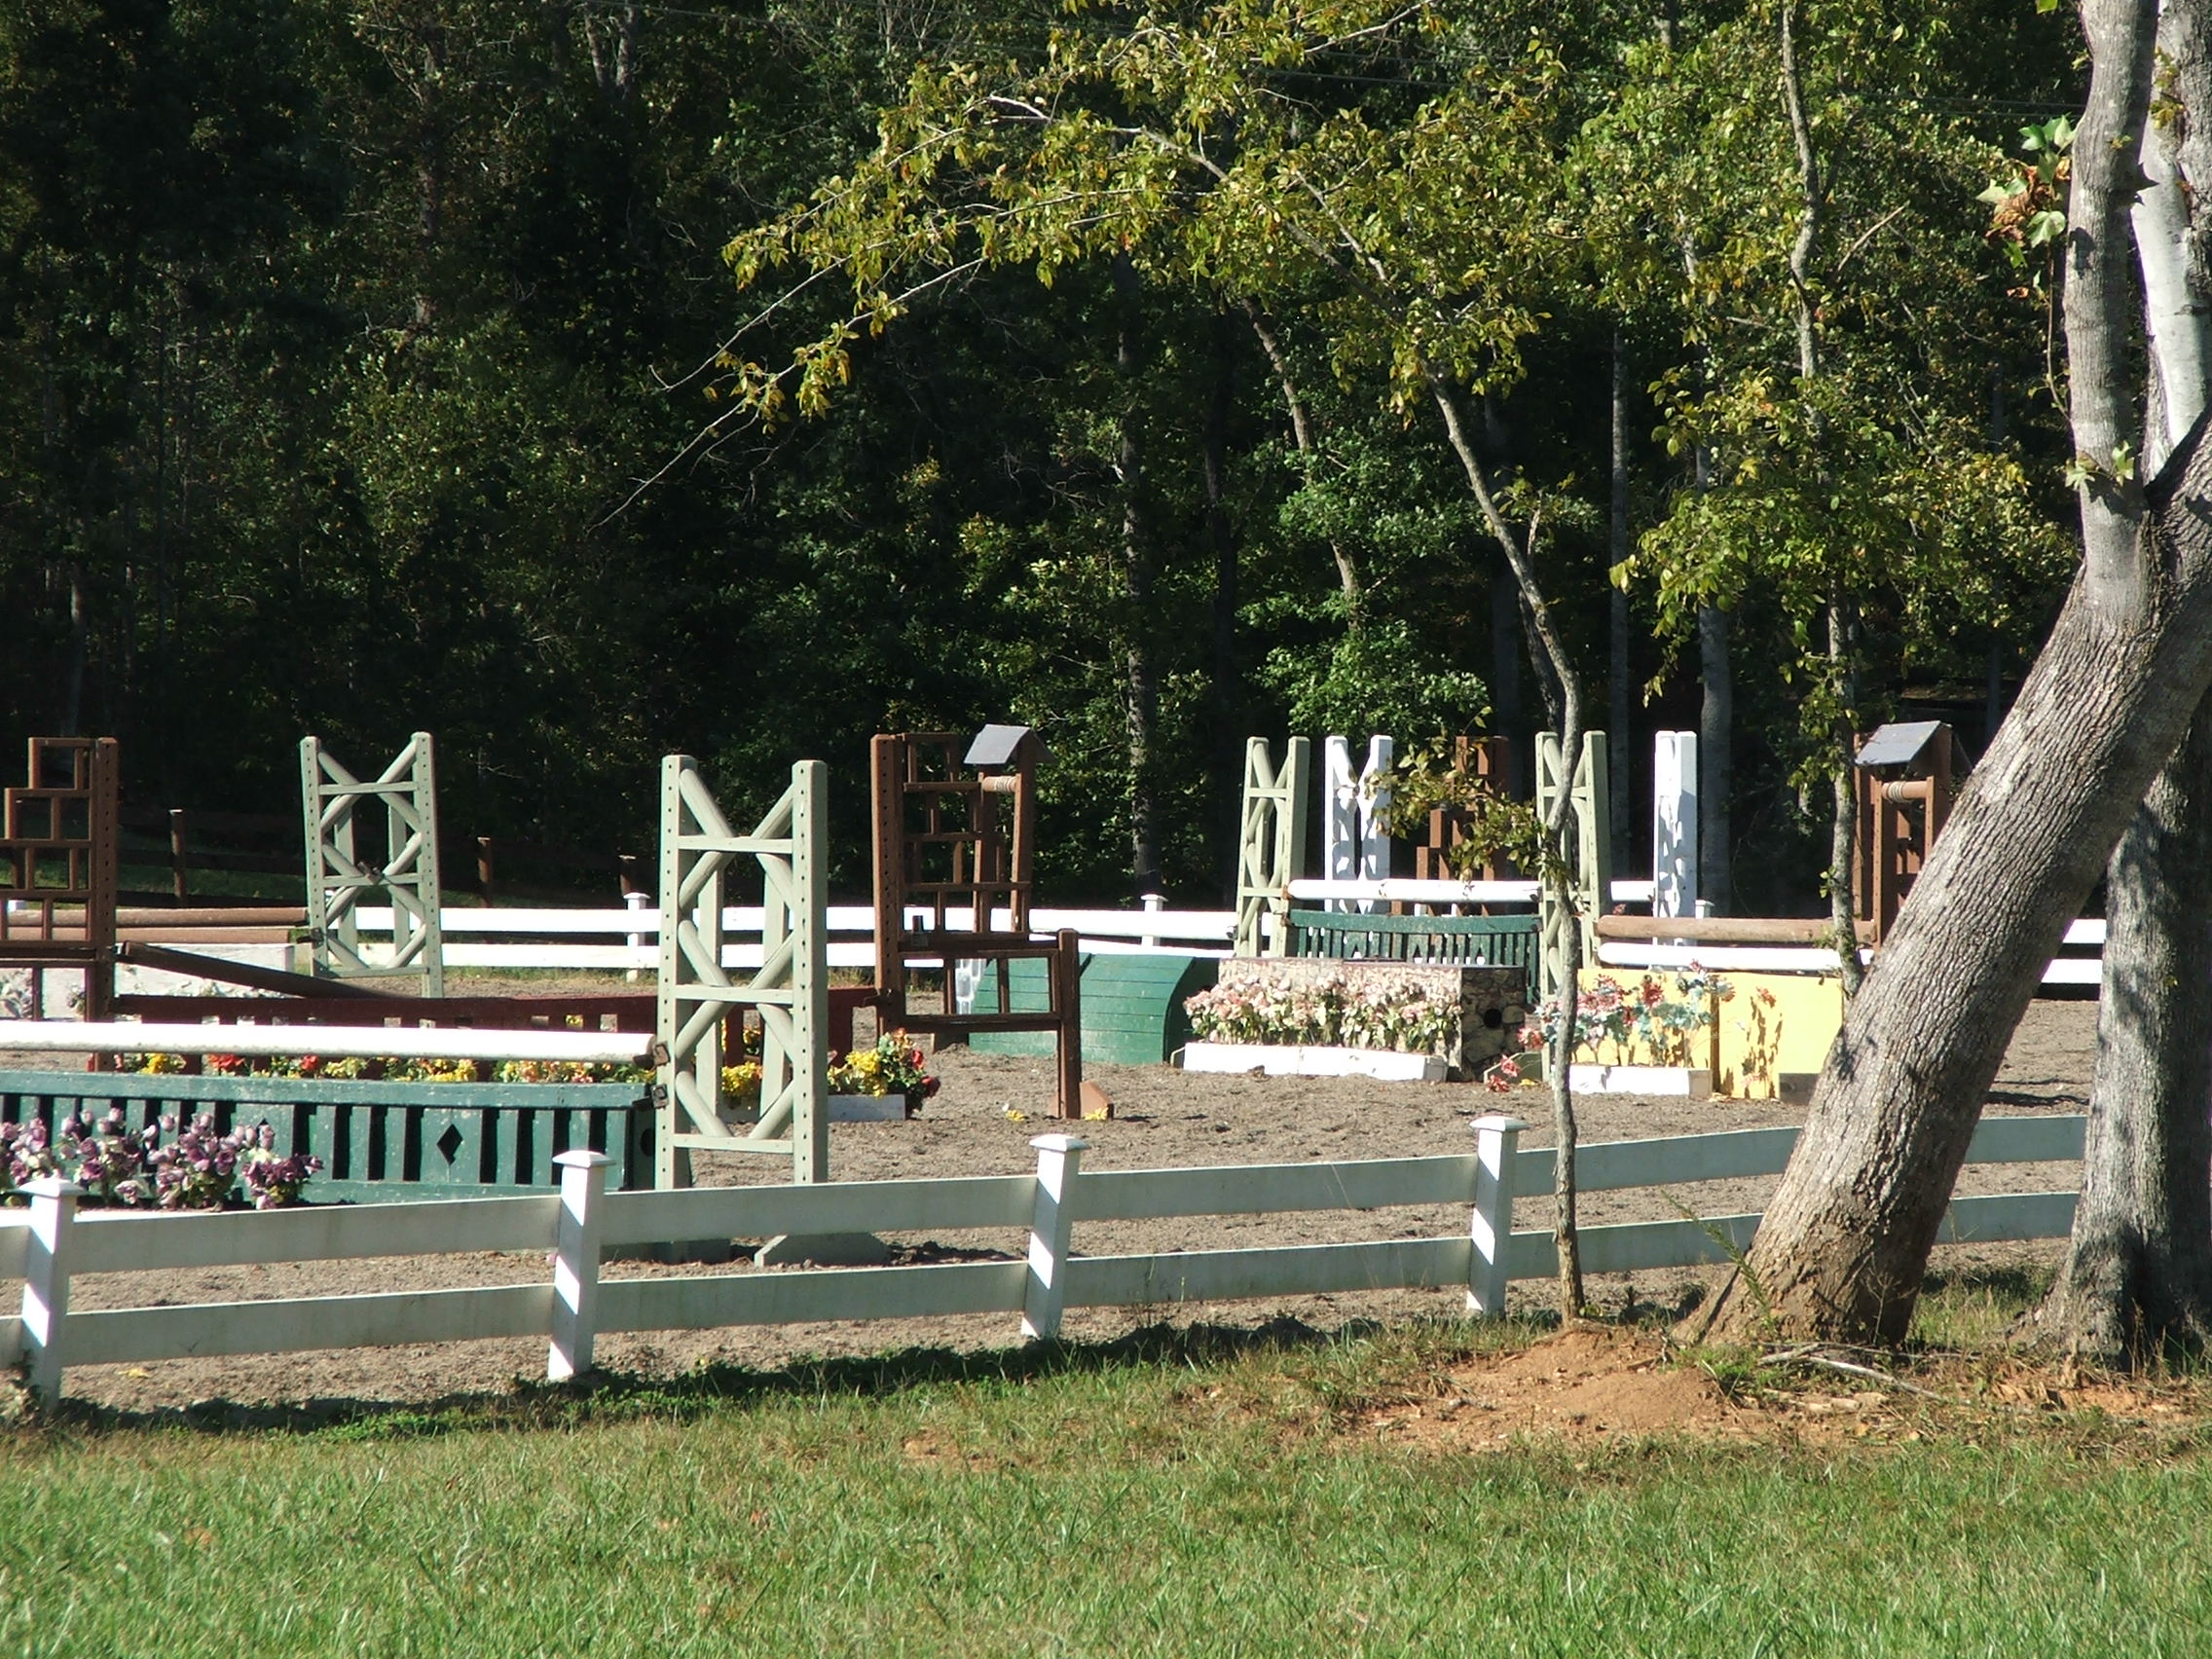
column 1499, row 828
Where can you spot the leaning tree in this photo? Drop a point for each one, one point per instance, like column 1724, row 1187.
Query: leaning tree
column 1846, row 1240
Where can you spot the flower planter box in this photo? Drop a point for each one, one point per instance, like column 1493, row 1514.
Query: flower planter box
column 379, row 1141
column 1677, row 1082
column 1299, row 1060
column 870, row 1108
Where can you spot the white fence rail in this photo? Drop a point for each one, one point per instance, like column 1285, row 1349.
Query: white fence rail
column 619, row 941
column 51, row 1243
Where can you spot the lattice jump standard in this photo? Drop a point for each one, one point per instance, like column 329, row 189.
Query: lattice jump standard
column 791, row 992
column 955, row 841
column 339, row 876
column 58, row 869
column 1592, row 855
column 1270, row 843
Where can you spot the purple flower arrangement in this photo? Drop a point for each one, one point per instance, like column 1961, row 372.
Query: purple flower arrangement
column 194, row 1167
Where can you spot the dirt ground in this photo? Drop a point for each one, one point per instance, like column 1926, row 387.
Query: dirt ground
column 981, row 1124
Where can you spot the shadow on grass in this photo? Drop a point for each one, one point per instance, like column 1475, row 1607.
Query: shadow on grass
column 605, row 1397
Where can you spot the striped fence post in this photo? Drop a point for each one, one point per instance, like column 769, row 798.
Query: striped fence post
column 46, row 1280
column 1497, row 1144
column 1059, row 1160
column 575, row 1263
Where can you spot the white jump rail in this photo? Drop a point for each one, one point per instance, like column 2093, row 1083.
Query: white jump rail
column 51, row 1243
column 620, row 941
column 370, row 1042
column 1397, row 890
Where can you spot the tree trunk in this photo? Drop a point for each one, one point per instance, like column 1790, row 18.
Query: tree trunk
column 2138, row 1272
column 1716, row 744
column 1844, row 804
column 1507, row 709
column 1228, row 698
column 1140, row 689
column 1622, row 749
column 1301, row 434
column 1846, row 1240
column 1844, row 1245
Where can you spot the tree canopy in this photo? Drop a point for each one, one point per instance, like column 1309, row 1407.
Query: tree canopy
column 587, row 380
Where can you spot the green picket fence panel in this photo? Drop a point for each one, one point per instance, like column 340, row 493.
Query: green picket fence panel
column 1452, row 941
column 379, row 1141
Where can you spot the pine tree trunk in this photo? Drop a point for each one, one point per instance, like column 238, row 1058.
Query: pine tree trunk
column 2138, row 1272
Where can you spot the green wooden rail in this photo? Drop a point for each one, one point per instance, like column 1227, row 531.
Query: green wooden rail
column 379, row 1141
column 1502, row 941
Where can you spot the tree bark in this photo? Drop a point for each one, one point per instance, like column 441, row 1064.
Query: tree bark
column 2138, row 1270
column 1845, row 1243
column 1846, row 1240
column 1843, row 823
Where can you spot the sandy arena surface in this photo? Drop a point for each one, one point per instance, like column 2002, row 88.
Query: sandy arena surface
column 981, row 1124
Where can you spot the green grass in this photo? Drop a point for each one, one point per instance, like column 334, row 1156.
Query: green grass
column 1169, row 1495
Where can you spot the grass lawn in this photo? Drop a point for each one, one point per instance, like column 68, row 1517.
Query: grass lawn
column 1170, row 1495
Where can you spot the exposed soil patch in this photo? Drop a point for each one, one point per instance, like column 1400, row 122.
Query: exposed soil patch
column 1598, row 1385
column 1594, row 1384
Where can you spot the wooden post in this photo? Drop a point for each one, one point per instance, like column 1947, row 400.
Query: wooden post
column 46, row 1280
column 1067, row 1002
column 1060, row 1161
column 575, row 1263
column 1497, row 1144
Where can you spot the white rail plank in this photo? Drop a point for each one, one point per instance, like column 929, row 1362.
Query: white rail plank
column 841, row 1207
column 296, row 1326
column 1257, row 1189
column 934, row 1291
column 15, row 1240
column 409, row 1042
column 1741, row 1154
column 1634, row 1246
column 1612, row 1165
column 2028, row 1140
column 1299, row 1270
column 2005, row 1216
column 123, row 1243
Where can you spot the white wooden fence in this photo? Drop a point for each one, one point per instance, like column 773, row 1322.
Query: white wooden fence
column 52, row 1244
column 619, row 940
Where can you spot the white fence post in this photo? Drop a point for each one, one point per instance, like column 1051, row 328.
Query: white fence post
column 1674, row 823
column 1340, row 817
column 635, row 900
column 575, row 1263
column 1374, row 814
column 46, row 1280
column 1154, row 903
column 1059, row 1160
column 1498, row 1143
